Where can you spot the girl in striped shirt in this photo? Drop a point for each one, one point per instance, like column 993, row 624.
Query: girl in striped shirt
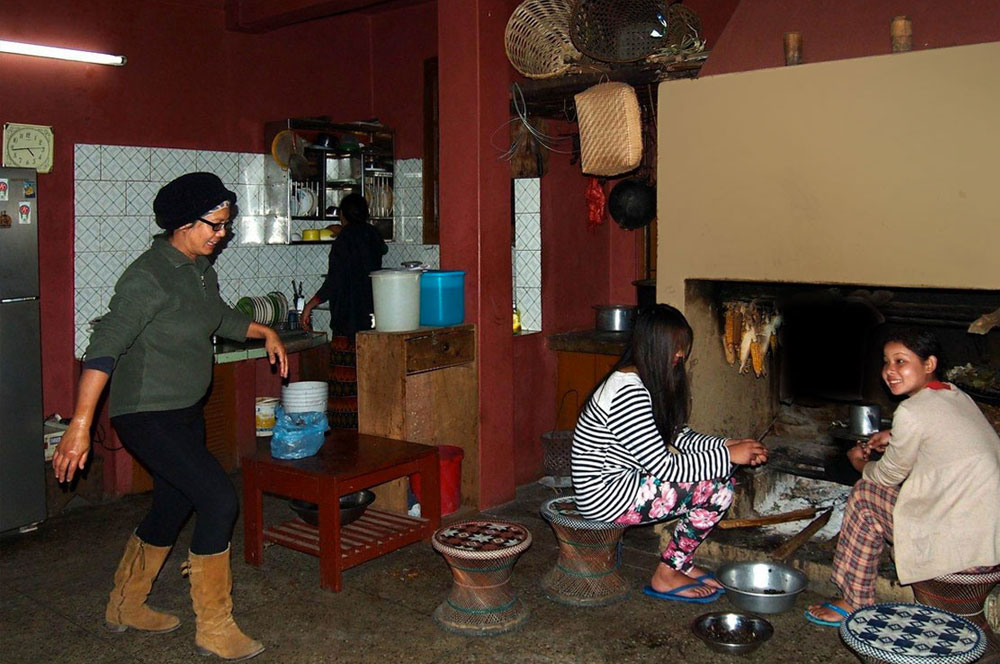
column 624, row 469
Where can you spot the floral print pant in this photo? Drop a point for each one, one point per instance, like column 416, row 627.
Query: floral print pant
column 697, row 505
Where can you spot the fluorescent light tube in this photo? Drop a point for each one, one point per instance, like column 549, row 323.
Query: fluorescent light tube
column 21, row 48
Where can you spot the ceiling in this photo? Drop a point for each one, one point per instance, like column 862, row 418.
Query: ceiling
column 266, row 15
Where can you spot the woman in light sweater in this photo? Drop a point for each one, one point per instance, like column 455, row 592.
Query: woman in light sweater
column 938, row 480
column 624, row 470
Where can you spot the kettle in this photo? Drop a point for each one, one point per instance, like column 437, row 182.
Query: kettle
column 864, row 419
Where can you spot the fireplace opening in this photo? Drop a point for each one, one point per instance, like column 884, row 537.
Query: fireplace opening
column 826, row 356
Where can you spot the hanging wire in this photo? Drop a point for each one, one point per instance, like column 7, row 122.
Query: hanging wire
column 547, row 141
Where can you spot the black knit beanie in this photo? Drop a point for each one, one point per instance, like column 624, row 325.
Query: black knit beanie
column 183, row 200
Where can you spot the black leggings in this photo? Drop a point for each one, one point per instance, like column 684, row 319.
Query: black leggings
column 171, row 446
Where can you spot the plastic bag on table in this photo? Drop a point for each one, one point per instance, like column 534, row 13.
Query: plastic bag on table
column 297, row 435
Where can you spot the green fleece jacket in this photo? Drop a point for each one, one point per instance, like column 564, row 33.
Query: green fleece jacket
column 159, row 330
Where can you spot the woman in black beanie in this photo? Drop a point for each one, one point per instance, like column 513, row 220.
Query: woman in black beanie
column 155, row 346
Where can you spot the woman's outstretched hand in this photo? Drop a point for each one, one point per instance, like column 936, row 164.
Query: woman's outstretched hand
column 72, row 452
column 747, row 451
column 879, row 441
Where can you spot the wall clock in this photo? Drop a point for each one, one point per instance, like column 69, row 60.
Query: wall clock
column 27, row 146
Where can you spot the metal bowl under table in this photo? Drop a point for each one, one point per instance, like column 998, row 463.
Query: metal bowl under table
column 761, row 587
column 732, row 633
column 352, row 506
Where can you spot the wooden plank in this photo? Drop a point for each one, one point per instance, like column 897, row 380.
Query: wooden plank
column 784, row 517
column 792, row 545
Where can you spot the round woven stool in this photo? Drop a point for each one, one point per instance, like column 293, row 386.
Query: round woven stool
column 481, row 555
column 899, row 633
column 587, row 570
column 963, row 593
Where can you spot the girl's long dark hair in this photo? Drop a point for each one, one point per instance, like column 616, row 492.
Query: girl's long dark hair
column 658, row 333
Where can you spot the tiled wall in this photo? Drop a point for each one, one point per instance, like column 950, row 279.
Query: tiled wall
column 114, row 191
column 527, row 252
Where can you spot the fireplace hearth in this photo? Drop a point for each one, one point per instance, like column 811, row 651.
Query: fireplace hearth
column 827, row 357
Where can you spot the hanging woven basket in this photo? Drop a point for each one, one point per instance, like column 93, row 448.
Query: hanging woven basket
column 537, row 39
column 615, row 31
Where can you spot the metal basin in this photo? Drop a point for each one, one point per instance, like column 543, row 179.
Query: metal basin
column 732, row 633
column 761, row 587
column 352, row 506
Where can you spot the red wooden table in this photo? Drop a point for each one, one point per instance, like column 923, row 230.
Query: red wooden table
column 347, row 462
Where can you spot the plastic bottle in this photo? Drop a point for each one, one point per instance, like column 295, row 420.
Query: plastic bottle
column 517, row 319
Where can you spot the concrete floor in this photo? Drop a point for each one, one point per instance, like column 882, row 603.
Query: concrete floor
column 55, row 583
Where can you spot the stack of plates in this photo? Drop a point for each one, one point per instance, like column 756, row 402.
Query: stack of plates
column 308, row 396
column 269, row 309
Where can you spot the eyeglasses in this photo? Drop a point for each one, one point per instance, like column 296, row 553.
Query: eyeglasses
column 216, row 227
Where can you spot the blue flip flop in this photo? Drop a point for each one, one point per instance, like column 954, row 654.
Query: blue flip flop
column 826, row 623
column 709, row 575
column 672, row 596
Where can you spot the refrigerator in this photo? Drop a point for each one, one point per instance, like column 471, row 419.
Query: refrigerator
column 22, row 457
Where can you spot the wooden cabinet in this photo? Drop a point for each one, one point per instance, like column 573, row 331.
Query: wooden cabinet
column 421, row 386
column 576, row 375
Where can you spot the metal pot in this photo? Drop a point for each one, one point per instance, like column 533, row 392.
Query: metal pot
column 614, row 317
column 761, row 587
column 864, row 419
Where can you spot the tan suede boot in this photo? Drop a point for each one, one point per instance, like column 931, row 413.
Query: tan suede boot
column 211, row 594
column 133, row 579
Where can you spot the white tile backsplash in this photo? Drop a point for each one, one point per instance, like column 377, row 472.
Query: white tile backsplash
column 527, row 254
column 114, row 190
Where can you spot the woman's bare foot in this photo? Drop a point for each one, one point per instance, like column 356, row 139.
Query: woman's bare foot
column 823, row 613
column 666, row 579
column 694, row 572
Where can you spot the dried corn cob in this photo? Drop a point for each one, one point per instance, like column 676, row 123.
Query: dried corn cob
column 729, row 335
column 749, row 336
column 739, row 313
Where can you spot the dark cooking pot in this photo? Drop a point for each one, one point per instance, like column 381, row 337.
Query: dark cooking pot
column 614, row 317
column 632, row 203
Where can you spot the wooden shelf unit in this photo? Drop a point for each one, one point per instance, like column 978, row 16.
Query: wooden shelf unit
column 421, row 386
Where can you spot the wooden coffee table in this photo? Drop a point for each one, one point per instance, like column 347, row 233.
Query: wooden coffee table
column 347, row 462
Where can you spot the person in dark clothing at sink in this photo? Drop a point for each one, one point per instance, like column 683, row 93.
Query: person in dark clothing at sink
column 356, row 253
column 155, row 347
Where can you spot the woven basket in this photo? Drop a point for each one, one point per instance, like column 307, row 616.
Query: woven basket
column 616, row 31
column 610, row 129
column 556, row 448
column 537, row 39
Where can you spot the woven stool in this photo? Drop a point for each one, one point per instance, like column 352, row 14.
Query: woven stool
column 481, row 555
column 899, row 633
column 963, row 593
column 587, row 570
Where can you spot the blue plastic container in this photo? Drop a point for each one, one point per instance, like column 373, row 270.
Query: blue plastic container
column 442, row 297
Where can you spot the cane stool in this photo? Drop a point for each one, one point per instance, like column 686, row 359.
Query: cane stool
column 481, row 555
column 900, row 633
column 587, row 570
column 963, row 593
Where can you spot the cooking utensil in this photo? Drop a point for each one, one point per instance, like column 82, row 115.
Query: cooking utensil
column 632, row 203
column 614, row 317
column 864, row 419
column 732, row 633
column 761, row 587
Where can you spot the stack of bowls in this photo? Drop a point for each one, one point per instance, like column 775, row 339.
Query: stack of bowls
column 308, row 396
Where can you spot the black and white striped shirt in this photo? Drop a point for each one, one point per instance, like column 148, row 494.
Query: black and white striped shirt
column 616, row 445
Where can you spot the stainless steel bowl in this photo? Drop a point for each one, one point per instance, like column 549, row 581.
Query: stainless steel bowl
column 352, row 506
column 761, row 587
column 732, row 633
column 613, row 317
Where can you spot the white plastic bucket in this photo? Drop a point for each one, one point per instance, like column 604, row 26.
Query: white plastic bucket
column 396, row 295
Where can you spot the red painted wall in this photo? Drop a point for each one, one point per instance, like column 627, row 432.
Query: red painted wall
column 840, row 29
column 401, row 41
